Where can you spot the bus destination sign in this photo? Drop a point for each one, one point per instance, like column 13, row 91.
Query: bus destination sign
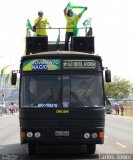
column 42, row 64
column 79, row 64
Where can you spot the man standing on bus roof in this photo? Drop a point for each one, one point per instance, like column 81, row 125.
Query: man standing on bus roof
column 40, row 25
column 71, row 22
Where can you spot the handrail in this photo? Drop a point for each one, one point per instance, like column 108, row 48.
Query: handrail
column 63, row 28
column 59, row 42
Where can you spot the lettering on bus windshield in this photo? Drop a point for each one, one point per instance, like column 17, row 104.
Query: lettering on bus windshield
column 79, row 64
column 42, row 64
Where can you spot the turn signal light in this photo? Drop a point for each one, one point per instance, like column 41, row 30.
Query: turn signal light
column 101, row 134
column 22, row 134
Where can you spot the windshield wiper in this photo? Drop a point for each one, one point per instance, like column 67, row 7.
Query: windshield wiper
column 76, row 99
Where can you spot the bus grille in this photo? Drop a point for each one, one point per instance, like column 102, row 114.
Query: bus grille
column 61, row 122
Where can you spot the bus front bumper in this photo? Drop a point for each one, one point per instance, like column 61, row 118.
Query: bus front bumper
column 61, row 136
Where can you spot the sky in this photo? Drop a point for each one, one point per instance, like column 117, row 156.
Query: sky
column 112, row 23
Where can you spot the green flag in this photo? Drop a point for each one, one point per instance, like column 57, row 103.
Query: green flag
column 8, row 78
column 87, row 22
column 76, row 11
column 28, row 25
column 75, row 31
column 3, row 71
column 58, row 40
column 28, row 28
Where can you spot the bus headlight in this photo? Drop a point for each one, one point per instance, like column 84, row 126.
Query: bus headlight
column 37, row 134
column 94, row 135
column 29, row 134
column 86, row 135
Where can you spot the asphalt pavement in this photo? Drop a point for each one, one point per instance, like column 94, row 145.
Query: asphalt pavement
column 118, row 140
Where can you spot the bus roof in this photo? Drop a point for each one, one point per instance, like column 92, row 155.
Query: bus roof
column 54, row 54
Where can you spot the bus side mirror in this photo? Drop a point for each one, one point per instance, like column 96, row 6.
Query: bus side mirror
column 107, row 75
column 14, row 78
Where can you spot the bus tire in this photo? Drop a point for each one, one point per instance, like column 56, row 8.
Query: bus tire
column 32, row 148
column 91, row 148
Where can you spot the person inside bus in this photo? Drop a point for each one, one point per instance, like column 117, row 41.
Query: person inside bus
column 71, row 22
column 40, row 91
column 40, row 25
column 84, row 93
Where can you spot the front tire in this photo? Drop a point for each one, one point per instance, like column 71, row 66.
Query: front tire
column 91, row 148
column 32, row 148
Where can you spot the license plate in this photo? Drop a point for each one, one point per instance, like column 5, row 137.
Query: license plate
column 62, row 133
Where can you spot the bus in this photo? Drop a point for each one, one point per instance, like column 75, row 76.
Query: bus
column 62, row 99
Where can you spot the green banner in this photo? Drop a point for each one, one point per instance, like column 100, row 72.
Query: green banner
column 42, row 64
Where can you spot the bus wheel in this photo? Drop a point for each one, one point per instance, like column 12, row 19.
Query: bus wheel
column 32, row 148
column 91, row 148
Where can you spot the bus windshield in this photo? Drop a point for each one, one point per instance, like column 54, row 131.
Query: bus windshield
column 61, row 91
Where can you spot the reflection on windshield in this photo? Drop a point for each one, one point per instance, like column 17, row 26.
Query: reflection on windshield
column 45, row 91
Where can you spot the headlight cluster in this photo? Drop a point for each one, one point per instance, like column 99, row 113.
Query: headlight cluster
column 88, row 135
column 31, row 134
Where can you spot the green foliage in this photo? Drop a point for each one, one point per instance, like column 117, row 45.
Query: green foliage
column 118, row 88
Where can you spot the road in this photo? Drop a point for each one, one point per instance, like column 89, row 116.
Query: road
column 118, row 140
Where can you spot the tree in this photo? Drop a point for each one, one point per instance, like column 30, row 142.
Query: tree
column 118, row 88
